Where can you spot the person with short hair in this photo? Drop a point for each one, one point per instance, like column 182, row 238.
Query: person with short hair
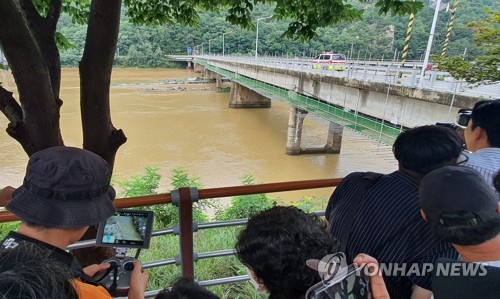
column 387, row 223
column 29, row 272
column 462, row 209
column 66, row 190
column 482, row 138
column 186, row 289
column 275, row 245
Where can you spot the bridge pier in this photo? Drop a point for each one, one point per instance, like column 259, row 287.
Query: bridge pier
column 242, row 97
column 334, row 140
column 218, row 81
column 294, row 135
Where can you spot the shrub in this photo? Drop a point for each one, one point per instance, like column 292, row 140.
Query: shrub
column 147, row 184
column 245, row 206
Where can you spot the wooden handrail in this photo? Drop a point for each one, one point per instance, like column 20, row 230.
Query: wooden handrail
column 139, row 201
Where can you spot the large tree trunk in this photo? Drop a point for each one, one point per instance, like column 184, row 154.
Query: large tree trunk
column 99, row 134
column 27, row 40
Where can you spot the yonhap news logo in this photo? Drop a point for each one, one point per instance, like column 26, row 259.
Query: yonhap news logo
column 330, row 266
column 423, row 269
column 334, row 265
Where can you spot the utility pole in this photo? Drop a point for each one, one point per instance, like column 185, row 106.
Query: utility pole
column 257, row 36
column 429, row 43
column 223, row 50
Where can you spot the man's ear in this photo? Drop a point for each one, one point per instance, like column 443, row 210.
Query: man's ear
column 423, row 214
column 480, row 133
column 498, row 208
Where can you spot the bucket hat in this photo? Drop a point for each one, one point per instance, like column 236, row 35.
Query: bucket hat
column 64, row 187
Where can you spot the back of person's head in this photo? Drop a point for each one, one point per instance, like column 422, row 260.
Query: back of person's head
column 426, row 148
column 486, row 114
column 28, row 272
column 276, row 244
column 186, row 289
column 460, row 206
column 64, row 187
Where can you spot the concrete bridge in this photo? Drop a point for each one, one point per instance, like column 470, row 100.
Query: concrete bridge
column 378, row 99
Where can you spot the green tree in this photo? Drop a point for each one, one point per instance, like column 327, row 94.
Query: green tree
column 485, row 69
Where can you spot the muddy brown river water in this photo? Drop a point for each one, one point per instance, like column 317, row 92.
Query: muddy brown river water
column 194, row 129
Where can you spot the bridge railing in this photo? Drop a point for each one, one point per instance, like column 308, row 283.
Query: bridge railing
column 385, row 71
column 184, row 198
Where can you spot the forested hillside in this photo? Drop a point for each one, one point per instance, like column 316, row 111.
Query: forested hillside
column 376, row 36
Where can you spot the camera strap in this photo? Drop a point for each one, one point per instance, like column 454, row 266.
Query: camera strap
column 366, row 182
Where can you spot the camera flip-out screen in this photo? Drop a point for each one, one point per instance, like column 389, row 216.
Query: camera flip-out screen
column 126, row 228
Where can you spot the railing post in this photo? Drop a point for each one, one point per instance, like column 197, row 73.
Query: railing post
column 184, row 198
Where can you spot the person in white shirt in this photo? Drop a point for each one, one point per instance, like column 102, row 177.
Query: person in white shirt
column 482, row 138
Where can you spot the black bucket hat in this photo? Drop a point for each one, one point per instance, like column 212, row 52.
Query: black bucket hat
column 64, row 187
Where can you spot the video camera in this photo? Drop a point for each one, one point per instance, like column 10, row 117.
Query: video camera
column 124, row 230
column 463, row 117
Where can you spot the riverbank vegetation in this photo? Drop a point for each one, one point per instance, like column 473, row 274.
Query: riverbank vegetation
column 166, row 216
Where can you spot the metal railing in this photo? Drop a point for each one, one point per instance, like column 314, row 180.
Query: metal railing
column 371, row 70
column 184, row 198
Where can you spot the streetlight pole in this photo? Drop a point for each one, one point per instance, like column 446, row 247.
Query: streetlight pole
column 223, row 42
column 429, row 43
column 257, row 36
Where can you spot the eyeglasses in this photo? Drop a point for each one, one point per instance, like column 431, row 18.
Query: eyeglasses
column 463, row 117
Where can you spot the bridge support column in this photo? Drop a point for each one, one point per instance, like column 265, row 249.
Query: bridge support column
column 334, row 140
column 294, row 134
column 242, row 97
column 207, row 74
column 218, row 81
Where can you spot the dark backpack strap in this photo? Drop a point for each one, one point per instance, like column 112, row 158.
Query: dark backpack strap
column 366, row 181
column 77, row 272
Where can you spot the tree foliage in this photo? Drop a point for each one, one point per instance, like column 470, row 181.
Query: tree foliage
column 245, row 206
column 484, row 69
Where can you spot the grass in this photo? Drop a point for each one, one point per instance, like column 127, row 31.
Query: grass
column 165, row 247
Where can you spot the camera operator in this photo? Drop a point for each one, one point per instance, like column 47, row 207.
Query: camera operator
column 482, row 138
column 66, row 190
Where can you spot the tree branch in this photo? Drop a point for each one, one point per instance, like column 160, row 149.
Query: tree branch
column 54, row 13
column 31, row 14
column 9, row 107
column 44, row 30
column 16, row 129
column 40, row 107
